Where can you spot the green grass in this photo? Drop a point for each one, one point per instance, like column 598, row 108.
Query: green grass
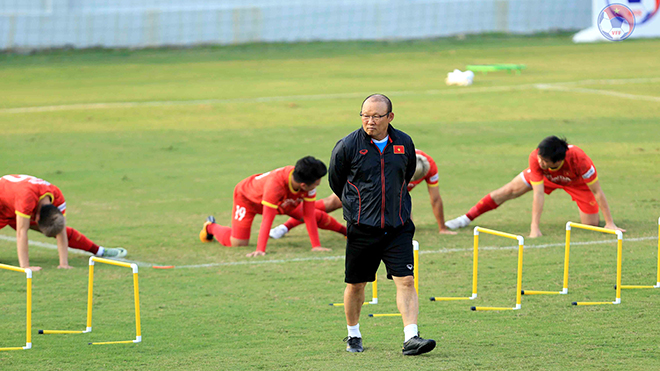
column 146, row 177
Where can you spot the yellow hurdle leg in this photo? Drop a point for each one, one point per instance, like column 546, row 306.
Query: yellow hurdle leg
column 374, row 291
column 619, row 252
column 566, row 257
column 450, row 298
column 416, row 265
column 521, row 247
column 114, row 342
column 90, row 296
column 28, row 334
column 46, row 332
column 138, row 329
column 491, row 308
column 579, row 303
column 475, row 264
column 533, row 292
column 637, row 287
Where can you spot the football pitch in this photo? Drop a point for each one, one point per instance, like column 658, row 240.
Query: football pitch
column 146, row 144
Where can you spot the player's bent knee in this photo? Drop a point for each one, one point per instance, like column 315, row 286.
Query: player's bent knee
column 235, row 242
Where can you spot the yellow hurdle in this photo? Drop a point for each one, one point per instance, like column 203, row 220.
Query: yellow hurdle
column 657, row 284
column 416, row 280
column 475, row 264
column 90, row 290
column 28, row 331
column 619, row 237
column 521, row 247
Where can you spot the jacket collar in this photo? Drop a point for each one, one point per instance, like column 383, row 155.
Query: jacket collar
column 391, row 131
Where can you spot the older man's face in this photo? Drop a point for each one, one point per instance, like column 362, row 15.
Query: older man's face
column 376, row 119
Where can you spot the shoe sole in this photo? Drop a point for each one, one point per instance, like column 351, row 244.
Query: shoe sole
column 204, row 236
column 424, row 349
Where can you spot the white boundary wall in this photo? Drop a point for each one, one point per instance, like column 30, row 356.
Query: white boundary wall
column 37, row 24
column 649, row 28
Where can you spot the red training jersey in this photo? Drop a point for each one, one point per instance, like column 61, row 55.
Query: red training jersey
column 274, row 189
column 431, row 176
column 20, row 195
column 577, row 168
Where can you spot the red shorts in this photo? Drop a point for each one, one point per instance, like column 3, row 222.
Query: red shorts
column 243, row 213
column 581, row 193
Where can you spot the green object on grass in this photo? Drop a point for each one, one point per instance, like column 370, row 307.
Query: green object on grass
column 485, row 68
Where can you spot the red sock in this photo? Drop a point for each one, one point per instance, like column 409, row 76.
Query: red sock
column 292, row 223
column 78, row 241
column 486, row 204
column 221, row 233
column 325, row 221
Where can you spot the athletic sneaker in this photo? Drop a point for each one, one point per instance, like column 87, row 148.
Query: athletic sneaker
column 278, row 232
column 205, row 236
column 117, row 252
column 353, row 344
column 460, row 222
column 416, row 346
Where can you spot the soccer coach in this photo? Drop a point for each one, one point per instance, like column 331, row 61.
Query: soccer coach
column 370, row 170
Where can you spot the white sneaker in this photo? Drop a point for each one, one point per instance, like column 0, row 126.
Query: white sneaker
column 278, row 232
column 460, row 222
column 114, row 252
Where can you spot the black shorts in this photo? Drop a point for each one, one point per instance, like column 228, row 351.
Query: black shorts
column 367, row 246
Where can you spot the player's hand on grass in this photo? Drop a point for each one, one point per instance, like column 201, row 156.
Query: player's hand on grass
column 446, row 231
column 319, row 248
column 612, row 226
column 536, row 232
column 33, row 269
column 256, row 253
column 62, row 266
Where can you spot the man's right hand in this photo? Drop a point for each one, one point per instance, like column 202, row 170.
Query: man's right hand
column 33, row 269
column 255, row 253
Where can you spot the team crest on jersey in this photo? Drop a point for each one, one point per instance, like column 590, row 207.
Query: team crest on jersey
column 364, row 151
column 399, row 150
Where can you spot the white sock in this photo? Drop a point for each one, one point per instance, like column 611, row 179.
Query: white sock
column 101, row 251
column 410, row 331
column 354, row 331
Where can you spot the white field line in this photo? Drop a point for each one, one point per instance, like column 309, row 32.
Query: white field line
column 441, row 251
column 71, row 251
column 326, row 258
column 597, row 91
column 470, row 90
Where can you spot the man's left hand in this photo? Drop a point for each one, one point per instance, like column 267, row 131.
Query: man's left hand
column 319, row 248
column 64, row 266
column 446, row 231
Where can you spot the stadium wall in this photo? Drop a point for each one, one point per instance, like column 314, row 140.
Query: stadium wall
column 41, row 24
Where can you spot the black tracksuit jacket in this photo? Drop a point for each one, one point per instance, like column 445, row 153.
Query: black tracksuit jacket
column 373, row 186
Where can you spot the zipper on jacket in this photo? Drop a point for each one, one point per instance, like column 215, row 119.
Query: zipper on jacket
column 382, row 181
